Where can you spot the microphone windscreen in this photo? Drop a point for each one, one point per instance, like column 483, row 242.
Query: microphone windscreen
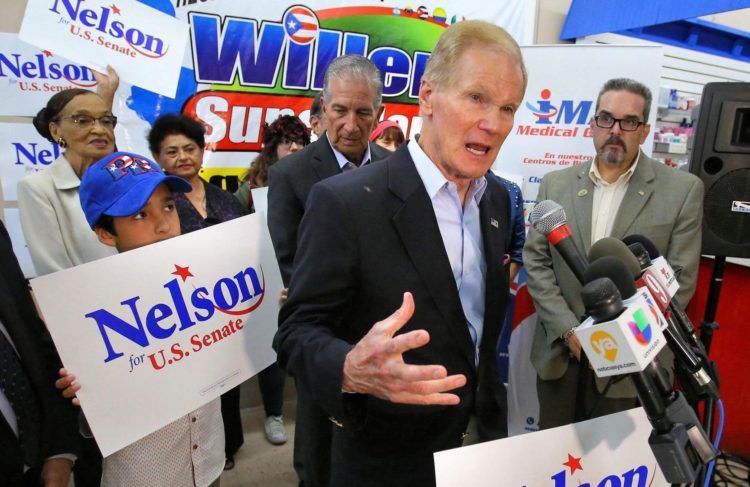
column 616, row 270
column 601, row 299
column 609, row 246
column 546, row 216
column 640, row 253
column 653, row 252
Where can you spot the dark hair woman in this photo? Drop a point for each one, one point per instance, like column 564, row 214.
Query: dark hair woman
column 81, row 123
column 177, row 143
column 287, row 134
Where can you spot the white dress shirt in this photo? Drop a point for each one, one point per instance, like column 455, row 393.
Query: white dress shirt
column 607, row 200
column 185, row 453
column 344, row 163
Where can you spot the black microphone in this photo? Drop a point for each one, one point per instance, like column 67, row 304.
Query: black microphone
column 696, row 370
column 603, row 302
column 548, row 218
column 691, row 369
column 681, row 317
column 678, row 441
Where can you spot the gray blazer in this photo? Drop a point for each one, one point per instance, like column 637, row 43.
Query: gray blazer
column 53, row 222
column 661, row 203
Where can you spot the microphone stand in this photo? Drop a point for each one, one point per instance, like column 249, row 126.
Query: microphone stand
column 707, row 327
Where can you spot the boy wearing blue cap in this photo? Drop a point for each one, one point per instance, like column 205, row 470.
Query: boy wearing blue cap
column 128, row 201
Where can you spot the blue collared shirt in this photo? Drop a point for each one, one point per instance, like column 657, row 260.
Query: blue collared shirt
column 344, row 163
column 462, row 236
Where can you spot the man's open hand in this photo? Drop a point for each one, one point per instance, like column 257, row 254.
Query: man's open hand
column 375, row 365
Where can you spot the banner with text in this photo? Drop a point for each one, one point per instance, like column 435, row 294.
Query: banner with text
column 23, row 151
column 156, row 332
column 551, row 129
column 606, row 452
column 29, row 76
column 145, row 46
column 251, row 62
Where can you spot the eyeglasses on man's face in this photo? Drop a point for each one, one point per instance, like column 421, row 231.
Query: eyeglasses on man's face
column 607, row 121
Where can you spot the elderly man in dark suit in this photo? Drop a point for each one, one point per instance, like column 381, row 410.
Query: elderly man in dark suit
column 351, row 107
column 38, row 428
column 620, row 193
column 423, row 233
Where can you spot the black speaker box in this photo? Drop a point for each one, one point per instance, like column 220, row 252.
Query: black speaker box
column 721, row 158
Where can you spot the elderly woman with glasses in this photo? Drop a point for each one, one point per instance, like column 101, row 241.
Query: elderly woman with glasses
column 81, row 123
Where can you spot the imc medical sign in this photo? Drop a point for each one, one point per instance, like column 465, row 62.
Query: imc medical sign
column 157, row 332
column 145, row 46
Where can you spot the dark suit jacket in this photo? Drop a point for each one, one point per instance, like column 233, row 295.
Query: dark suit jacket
column 289, row 183
column 366, row 238
column 40, row 360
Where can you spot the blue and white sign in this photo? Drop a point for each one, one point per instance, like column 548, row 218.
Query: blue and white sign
column 156, row 332
column 144, row 45
column 29, row 76
column 22, row 152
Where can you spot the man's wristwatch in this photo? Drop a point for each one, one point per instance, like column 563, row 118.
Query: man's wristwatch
column 566, row 336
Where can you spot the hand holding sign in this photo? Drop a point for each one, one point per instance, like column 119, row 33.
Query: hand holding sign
column 375, row 365
column 107, row 84
column 69, row 386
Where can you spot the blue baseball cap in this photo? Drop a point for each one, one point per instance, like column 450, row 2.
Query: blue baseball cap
column 121, row 183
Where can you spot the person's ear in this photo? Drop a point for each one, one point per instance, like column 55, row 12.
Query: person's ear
column 426, row 89
column 645, row 130
column 105, row 237
column 55, row 131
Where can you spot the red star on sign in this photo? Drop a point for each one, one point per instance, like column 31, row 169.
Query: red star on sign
column 573, row 464
column 46, row 53
column 115, row 10
column 183, row 272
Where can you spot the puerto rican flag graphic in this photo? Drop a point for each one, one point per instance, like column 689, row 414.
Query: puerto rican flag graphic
column 523, row 405
column 300, row 24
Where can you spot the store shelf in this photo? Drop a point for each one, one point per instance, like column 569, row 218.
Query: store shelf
column 670, row 148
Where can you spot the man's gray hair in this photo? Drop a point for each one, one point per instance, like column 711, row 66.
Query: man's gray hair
column 631, row 86
column 350, row 67
column 315, row 107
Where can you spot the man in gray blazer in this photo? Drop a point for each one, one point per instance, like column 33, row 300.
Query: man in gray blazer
column 620, row 193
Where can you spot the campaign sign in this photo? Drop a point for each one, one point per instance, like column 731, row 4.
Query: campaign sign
column 604, row 452
column 260, row 199
column 626, row 344
column 29, row 76
column 145, row 46
column 159, row 331
column 22, row 151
